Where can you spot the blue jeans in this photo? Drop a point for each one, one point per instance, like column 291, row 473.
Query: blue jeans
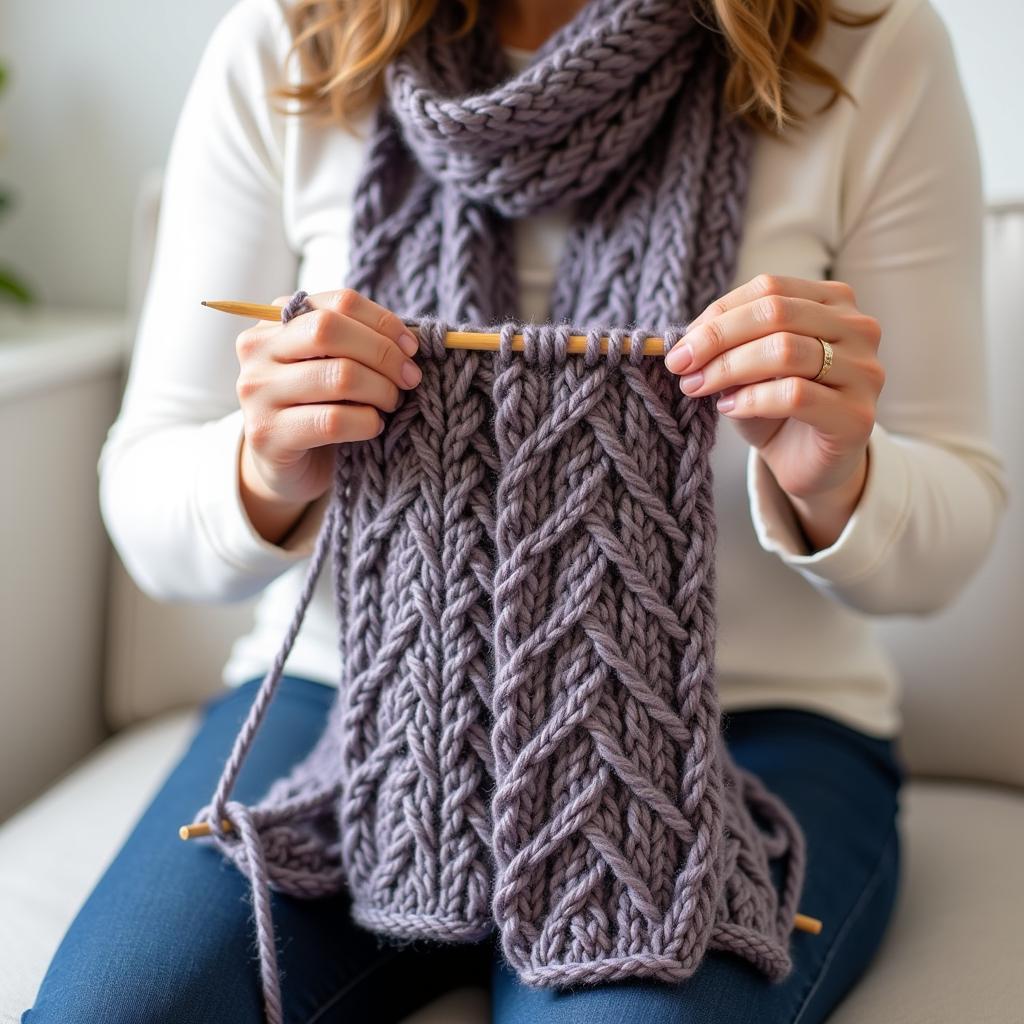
column 166, row 933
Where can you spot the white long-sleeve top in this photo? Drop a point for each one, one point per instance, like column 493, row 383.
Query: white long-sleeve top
column 883, row 193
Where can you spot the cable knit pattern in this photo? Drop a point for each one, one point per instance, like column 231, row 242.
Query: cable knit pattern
column 527, row 735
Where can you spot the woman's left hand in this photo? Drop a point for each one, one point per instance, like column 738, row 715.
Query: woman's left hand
column 758, row 346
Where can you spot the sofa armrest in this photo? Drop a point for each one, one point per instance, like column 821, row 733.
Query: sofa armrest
column 60, row 383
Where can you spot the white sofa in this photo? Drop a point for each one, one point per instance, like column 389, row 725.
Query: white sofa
column 129, row 667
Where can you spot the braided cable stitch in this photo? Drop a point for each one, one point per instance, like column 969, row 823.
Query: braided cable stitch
column 527, row 735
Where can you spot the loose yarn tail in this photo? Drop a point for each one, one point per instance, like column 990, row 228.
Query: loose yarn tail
column 243, row 844
column 246, row 845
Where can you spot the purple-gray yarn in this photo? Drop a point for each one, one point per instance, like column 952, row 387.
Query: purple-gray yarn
column 527, row 731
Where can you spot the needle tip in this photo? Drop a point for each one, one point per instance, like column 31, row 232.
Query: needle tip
column 804, row 923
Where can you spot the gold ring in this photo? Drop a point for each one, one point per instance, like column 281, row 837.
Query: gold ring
column 826, row 359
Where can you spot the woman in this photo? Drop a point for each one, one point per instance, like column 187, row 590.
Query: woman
column 863, row 218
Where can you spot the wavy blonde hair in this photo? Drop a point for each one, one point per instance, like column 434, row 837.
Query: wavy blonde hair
column 345, row 45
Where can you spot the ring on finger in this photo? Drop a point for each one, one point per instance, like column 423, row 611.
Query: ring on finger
column 827, row 356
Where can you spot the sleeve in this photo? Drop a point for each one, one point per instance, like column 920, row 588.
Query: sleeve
column 911, row 249
column 168, row 469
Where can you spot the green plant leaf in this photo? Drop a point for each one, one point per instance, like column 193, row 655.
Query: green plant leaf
column 13, row 290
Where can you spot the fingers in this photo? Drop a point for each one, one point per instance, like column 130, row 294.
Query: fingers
column 341, row 325
column 760, row 318
column 355, row 306
column 860, row 334
column 326, row 380
column 777, row 355
column 302, row 427
column 826, row 292
column 324, row 333
column 822, row 407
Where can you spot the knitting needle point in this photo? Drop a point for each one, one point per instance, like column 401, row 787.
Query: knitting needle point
column 803, row 923
column 201, row 828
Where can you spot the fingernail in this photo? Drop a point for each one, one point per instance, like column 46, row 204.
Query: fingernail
column 679, row 358
column 411, row 373
column 693, row 381
column 407, row 343
column 726, row 404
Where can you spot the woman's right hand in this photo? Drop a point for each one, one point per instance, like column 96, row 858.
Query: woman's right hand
column 321, row 379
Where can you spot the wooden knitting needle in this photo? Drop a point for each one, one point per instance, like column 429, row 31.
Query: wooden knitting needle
column 202, row 828
column 475, row 340
column 801, row 922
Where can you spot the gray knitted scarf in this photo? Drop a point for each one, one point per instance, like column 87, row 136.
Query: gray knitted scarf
column 526, row 735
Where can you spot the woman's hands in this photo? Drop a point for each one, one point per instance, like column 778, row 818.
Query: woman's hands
column 325, row 377
column 322, row 378
column 759, row 347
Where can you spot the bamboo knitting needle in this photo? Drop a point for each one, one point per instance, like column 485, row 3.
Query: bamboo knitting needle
column 478, row 341
column 801, row 922
column 201, row 828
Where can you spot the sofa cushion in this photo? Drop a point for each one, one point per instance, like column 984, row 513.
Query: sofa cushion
column 951, row 954
column 163, row 656
column 963, row 699
column 90, row 812
column 953, row 951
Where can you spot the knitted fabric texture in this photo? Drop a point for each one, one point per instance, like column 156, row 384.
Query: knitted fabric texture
column 526, row 735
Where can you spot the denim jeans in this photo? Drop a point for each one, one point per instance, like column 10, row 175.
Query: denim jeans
column 166, row 934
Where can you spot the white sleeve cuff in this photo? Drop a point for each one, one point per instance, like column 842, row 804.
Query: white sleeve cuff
column 222, row 516
column 868, row 536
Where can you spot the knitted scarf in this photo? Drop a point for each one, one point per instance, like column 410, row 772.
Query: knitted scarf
column 526, row 735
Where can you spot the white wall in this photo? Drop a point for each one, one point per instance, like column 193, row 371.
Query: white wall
column 94, row 94
column 97, row 87
column 988, row 36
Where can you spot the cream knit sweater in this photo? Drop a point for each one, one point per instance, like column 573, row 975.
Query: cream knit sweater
column 884, row 195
